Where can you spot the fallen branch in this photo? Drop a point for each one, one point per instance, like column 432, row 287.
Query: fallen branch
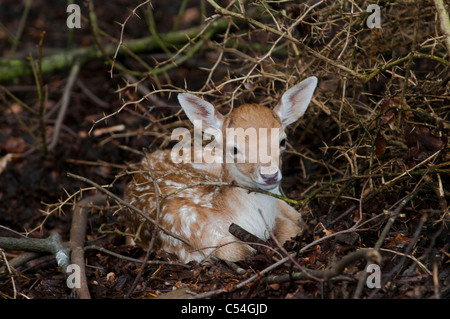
column 52, row 245
column 13, row 68
column 444, row 22
column 77, row 239
column 21, row 259
column 370, row 255
column 242, row 234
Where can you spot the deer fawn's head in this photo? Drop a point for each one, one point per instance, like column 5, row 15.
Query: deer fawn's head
column 253, row 135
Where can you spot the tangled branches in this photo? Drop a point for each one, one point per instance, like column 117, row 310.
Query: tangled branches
column 370, row 159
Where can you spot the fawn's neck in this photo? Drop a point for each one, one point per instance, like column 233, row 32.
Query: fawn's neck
column 253, row 211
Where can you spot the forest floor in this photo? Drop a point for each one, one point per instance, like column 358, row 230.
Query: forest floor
column 368, row 165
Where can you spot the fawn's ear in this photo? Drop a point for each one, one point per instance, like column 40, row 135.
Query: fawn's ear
column 295, row 101
column 198, row 109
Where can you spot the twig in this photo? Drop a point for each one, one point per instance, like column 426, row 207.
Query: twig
column 86, row 91
column 121, row 34
column 20, row 28
column 421, row 265
column 250, row 189
column 10, row 272
column 77, row 239
column 244, row 235
column 273, row 266
column 134, row 260
column 52, row 244
column 247, row 237
column 445, row 22
column 219, row 58
column 21, row 259
column 42, row 92
column 370, row 255
column 102, row 49
column 65, row 103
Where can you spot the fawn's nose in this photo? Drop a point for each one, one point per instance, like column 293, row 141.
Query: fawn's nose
column 270, row 174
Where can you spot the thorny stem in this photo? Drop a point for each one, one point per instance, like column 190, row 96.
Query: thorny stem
column 42, row 92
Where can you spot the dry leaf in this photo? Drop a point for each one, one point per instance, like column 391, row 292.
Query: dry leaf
column 380, row 145
column 274, row 286
column 15, row 145
column 399, row 240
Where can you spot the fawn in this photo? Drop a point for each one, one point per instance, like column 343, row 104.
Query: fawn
column 192, row 202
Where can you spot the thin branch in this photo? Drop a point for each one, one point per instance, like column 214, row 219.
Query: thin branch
column 134, row 260
column 247, row 237
column 133, row 13
column 77, row 238
column 444, row 22
column 65, row 103
column 370, row 255
column 10, row 271
column 52, row 244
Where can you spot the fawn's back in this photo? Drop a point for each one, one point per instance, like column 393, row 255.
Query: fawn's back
column 196, row 199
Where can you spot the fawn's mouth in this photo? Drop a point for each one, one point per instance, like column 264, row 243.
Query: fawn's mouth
column 269, row 184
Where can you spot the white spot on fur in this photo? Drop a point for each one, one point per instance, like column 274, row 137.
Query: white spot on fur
column 168, row 218
column 188, row 216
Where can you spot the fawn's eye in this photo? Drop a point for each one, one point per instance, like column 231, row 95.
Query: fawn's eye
column 235, row 150
column 283, row 142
